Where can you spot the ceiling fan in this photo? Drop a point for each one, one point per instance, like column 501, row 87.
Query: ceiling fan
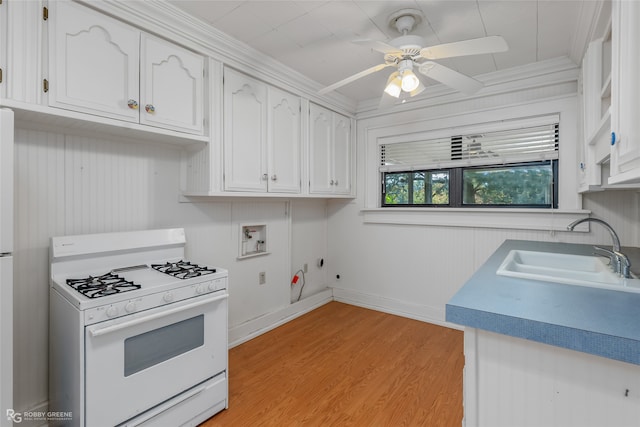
column 408, row 53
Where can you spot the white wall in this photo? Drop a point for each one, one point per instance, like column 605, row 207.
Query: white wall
column 70, row 184
column 413, row 270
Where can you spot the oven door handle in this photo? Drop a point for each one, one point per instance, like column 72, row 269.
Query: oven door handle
column 97, row 331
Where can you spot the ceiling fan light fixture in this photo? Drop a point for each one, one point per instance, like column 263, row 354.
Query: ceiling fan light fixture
column 394, row 85
column 409, row 81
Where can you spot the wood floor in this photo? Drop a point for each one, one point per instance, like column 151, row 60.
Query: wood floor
column 342, row 365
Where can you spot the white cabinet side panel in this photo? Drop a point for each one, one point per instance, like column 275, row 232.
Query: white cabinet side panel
column 528, row 384
column 23, row 62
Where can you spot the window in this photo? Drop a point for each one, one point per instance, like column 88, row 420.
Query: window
column 507, row 168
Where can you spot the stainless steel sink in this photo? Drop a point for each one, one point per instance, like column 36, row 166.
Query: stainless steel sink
column 581, row 270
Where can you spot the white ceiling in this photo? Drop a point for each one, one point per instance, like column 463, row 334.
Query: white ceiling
column 313, row 37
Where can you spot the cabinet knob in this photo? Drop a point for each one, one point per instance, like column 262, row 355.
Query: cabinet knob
column 149, row 108
column 613, row 138
column 274, row 177
column 133, row 104
column 331, row 182
column 265, row 176
column 335, row 182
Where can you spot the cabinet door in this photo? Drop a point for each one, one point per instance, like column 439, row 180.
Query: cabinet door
column 245, row 131
column 625, row 92
column 94, row 62
column 341, row 155
column 284, row 142
column 320, row 136
column 171, row 91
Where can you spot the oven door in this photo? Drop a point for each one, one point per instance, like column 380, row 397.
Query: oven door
column 136, row 362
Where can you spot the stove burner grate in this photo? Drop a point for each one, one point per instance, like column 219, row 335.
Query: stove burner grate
column 183, row 269
column 102, row 286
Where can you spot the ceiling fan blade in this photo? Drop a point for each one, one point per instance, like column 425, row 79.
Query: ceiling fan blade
column 379, row 46
column 492, row 44
column 353, row 78
column 450, row 77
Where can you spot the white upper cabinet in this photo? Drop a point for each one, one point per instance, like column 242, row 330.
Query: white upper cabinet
column 341, row 154
column 330, row 151
column 261, row 136
column 171, row 92
column 625, row 93
column 245, row 133
column 93, row 62
column 284, row 141
column 101, row 66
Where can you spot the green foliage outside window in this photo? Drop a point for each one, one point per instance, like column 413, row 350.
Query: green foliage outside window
column 511, row 185
column 417, row 188
column 525, row 184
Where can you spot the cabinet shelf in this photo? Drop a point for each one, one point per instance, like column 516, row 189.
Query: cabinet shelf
column 606, row 87
column 49, row 118
column 603, row 130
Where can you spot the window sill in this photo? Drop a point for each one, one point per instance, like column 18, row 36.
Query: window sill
column 521, row 219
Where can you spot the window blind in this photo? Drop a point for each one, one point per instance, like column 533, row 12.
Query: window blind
column 523, row 144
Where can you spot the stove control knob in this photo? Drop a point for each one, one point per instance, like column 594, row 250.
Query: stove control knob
column 130, row 307
column 200, row 289
column 168, row 297
column 212, row 286
column 112, row 311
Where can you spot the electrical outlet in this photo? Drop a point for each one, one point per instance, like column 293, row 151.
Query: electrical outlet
column 305, row 268
column 262, row 277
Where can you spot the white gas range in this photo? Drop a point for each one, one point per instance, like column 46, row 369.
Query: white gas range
column 138, row 335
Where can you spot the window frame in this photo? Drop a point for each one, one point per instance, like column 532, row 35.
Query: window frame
column 424, row 122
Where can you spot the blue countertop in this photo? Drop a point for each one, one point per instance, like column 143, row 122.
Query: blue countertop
column 596, row 321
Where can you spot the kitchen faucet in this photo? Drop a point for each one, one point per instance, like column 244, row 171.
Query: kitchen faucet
column 620, row 262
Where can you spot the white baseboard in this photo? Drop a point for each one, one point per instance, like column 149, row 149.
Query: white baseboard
column 254, row 327
column 420, row 312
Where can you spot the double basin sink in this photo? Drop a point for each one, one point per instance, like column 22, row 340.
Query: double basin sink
column 580, row 270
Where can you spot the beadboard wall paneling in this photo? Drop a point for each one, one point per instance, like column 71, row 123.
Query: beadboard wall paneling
column 108, row 186
column 545, row 385
column 415, row 270
column 39, row 206
column 197, row 170
column 70, row 184
column 247, row 298
column 309, row 237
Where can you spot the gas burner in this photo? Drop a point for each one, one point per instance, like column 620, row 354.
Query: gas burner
column 183, row 269
column 102, row 286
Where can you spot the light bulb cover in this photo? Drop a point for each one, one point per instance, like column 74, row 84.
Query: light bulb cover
column 394, row 85
column 409, row 81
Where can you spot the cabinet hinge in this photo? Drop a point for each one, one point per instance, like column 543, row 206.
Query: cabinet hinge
column 45, row 13
column 45, row 85
column 0, row 68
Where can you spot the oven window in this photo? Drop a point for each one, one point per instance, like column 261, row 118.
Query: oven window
column 153, row 347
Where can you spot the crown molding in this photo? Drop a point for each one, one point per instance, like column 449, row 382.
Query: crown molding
column 167, row 21
column 592, row 21
column 538, row 74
